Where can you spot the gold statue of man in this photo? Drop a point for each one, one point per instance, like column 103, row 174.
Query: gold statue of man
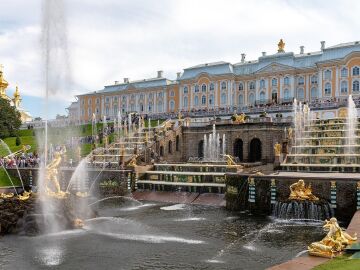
column 277, row 149
column 51, row 177
column 299, row 192
column 290, row 133
column 335, row 241
column 281, row 46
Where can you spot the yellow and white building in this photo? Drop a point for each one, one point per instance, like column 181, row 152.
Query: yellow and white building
column 330, row 73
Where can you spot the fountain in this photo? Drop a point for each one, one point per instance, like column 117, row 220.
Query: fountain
column 320, row 145
column 214, row 147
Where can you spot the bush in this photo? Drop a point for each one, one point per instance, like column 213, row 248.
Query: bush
column 83, row 129
column 17, row 141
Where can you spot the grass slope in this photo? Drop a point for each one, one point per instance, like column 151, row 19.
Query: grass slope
column 340, row 263
column 4, row 179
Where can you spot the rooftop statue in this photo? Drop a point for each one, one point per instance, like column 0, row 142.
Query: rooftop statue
column 299, row 192
column 281, row 46
column 335, row 241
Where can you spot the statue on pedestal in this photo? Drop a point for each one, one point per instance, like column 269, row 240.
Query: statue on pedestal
column 299, row 192
column 277, row 149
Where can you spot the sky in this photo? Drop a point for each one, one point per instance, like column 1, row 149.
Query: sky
column 110, row 40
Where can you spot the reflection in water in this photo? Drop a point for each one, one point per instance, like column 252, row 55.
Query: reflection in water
column 51, row 255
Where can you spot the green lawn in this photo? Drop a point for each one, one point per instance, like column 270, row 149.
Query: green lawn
column 340, row 263
column 25, row 140
column 4, row 179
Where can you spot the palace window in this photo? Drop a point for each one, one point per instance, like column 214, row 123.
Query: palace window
column 203, row 88
column 89, row 112
column 262, row 96
column 115, row 99
column 252, row 85
column 356, row 71
column 274, row 82
column 355, row 86
column 141, row 96
column 141, row 107
column 186, row 90
column 97, row 111
column 196, row 101
column 160, row 94
column 172, row 105
column 314, row 93
column 223, row 99
column 132, row 107
column 203, row 100
column 262, row 83
column 344, row 72
column 328, row 89
column 300, row 93
column 172, row 94
column 150, row 96
column 286, row 81
column 89, row 102
column 301, row 81
column 160, row 106
column 241, row 99
column 344, row 87
column 327, row 74
column 211, row 98
column 286, row 94
column 212, row 86
column 241, row 86
column 107, row 110
column 185, row 102
column 97, row 101
column 115, row 110
column 107, row 99
column 223, row 85
column 314, row 79
column 196, row 88
column 150, row 107
column 251, row 98
column 132, row 96
column 83, row 102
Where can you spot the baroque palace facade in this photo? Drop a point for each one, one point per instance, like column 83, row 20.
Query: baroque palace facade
column 331, row 73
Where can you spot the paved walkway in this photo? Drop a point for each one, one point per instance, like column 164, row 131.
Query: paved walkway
column 308, row 262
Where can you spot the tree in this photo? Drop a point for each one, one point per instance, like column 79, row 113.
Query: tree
column 10, row 119
column 17, row 141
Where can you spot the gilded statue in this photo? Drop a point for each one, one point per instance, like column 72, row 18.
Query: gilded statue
column 240, row 119
column 132, row 162
column 290, row 133
column 335, row 241
column 6, row 195
column 229, row 160
column 281, row 46
column 51, row 177
column 300, row 192
column 277, row 149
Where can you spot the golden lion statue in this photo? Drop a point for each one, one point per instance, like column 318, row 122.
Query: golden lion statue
column 239, row 119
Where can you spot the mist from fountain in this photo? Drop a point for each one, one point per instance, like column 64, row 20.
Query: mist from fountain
column 351, row 122
column 213, row 148
column 94, row 128
column 12, row 183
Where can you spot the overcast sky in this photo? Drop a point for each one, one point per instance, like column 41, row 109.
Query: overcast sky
column 112, row 39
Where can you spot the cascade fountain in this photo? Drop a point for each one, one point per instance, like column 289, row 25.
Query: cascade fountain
column 214, row 147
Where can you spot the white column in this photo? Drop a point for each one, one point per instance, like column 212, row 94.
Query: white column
column 293, row 90
column 307, row 81
column 320, row 83
column 137, row 103
column 337, row 82
column 281, row 81
column 165, row 103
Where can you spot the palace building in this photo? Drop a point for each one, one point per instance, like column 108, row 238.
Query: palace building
column 16, row 100
column 331, row 73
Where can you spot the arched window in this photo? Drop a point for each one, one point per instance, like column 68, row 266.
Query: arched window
column 185, row 102
column 196, row 101
column 356, row 86
column 223, row 99
column 252, row 85
column 107, row 110
column 141, row 107
column 274, row 82
column 177, row 143
column 262, row 96
column 327, row 74
column 223, row 85
column 344, row 87
column 262, row 83
column 314, row 93
column 160, row 106
column 172, row 94
column 251, row 98
column 89, row 101
column 356, row 71
column 203, row 100
column 241, row 99
column 212, row 87
column 97, row 101
column 300, row 93
column 286, row 81
column 203, row 88
column 241, row 86
column 344, row 72
column 141, row 96
column 186, row 90
column 328, row 89
column 196, row 88
column 314, row 79
column 211, row 100
column 115, row 109
column 172, row 105
column 301, row 81
column 286, row 94
column 170, row 147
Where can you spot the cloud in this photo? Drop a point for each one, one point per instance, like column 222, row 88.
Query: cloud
column 113, row 39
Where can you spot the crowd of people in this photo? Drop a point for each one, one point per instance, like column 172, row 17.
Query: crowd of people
column 25, row 160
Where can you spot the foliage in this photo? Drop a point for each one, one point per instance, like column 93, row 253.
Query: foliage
column 11, row 142
column 340, row 263
column 17, row 141
column 10, row 120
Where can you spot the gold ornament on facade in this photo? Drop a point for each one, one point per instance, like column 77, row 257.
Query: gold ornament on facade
column 239, row 119
column 281, row 46
column 300, row 192
column 335, row 241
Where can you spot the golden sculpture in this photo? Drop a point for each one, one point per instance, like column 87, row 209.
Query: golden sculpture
column 335, row 241
column 240, row 119
column 299, row 192
column 277, row 149
column 51, row 177
column 229, row 160
column 290, row 133
column 132, row 162
column 25, row 196
column 6, row 195
column 281, row 46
